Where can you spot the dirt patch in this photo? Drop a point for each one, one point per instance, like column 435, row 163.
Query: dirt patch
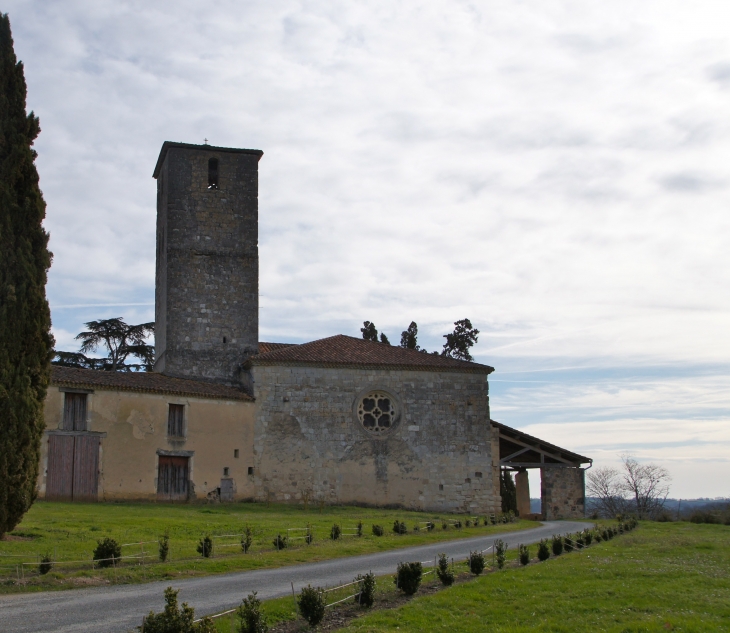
column 84, row 581
column 18, row 537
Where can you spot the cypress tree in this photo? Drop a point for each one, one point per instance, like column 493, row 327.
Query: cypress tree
column 25, row 319
column 508, row 491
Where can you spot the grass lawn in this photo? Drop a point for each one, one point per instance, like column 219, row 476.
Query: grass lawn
column 659, row 577
column 69, row 531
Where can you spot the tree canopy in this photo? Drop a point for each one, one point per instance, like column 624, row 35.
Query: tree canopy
column 461, row 340
column 121, row 341
column 25, row 320
column 409, row 337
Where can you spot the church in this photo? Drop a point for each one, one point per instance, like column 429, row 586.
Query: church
column 226, row 417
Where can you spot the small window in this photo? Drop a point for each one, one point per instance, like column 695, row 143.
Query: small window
column 74, row 412
column 235, row 453
column 467, row 480
column 441, row 486
column 478, row 475
column 250, row 470
column 213, row 173
column 175, row 417
column 225, row 471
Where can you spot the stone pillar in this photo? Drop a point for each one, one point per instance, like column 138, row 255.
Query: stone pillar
column 522, row 483
column 563, row 493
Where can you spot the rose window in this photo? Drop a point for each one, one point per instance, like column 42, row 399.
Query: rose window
column 376, row 412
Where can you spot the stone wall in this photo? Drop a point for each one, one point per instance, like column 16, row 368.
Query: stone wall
column 563, row 493
column 310, row 445
column 206, row 302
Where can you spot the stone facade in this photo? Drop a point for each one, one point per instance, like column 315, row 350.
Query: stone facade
column 310, row 444
column 206, row 298
column 563, row 493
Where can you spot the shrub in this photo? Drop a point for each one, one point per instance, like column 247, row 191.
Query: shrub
column 579, row 540
column 280, row 542
column 500, row 550
column 408, row 577
column 309, row 536
column 511, row 517
column 468, row 523
column 700, row 516
column 359, row 528
column 476, row 563
column 246, row 539
column 598, row 536
column 476, row 522
column 205, row 546
column 557, row 545
column 311, row 605
column 250, row 618
column 444, row 525
column 378, row 530
column 543, row 551
column 457, row 524
column 430, row 526
column 46, row 564
column 524, row 554
column 335, row 532
column 604, row 534
column 588, row 537
column 662, row 517
column 107, row 552
column 163, row 546
column 416, row 528
column 174, row 619
column 446, row 576
column 568, row 543
column 366, row 596
column 399, row 527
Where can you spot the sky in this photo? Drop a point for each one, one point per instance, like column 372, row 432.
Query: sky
column 557, row 172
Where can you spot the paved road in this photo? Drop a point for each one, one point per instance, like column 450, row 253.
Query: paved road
column 120, row 608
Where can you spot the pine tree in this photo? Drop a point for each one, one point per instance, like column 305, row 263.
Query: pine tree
column 25, row 340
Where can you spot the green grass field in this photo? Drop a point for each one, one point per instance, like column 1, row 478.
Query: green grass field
column 660, row 577
column 69, row 532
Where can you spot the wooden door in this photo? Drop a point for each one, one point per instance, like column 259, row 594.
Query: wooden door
column 172, row 478
column 86, row 468
column 60, row 475
column 226, row 489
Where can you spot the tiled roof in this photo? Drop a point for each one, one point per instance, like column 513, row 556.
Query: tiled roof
column 265, row 348
column 340, row 350
column 147, row 382
column 536, row 442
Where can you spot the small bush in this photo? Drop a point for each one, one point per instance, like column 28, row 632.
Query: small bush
column 311, row 605
column 378, row 530
column 468, row 523
column 107, row 552
column 446, row 576
column 604, row 534
column 663, row 517
column 500, row 550
column 246, row 539
column 163, row 546
column 580, row 540
column 416, row 528
column 476, row 522
column 568, row 543
column 335, row 532
column 46, row 565
column 476, row 563
column 430, row 526
column 366, row 596
column 557, row 544
column 444, row 525
column 205, row 546
column 703, row 516
column 250, row 618
column 399, row 527
column 280, row 542
column 588, row 537
column 524, row 554
column 457, row 524
column 408, row 577
column 309, row 536
column 359, row 528
column 597, row 536
column 543, row 551
column 174, row 619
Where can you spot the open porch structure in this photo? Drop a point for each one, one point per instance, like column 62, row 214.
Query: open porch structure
column 562, row 474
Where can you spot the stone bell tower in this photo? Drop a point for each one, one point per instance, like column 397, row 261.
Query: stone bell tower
column 207, row 280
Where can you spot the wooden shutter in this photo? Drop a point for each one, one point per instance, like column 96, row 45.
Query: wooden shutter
column 175, row 420
column 59, row 478
column 74, row 412
column 172, row 478
column 86, row 468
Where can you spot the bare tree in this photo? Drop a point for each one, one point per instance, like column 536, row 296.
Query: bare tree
column 636, row 487
column 647, row 484
column 604, row 485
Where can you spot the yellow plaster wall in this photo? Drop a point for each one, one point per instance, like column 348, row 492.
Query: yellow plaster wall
column 136, row 427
